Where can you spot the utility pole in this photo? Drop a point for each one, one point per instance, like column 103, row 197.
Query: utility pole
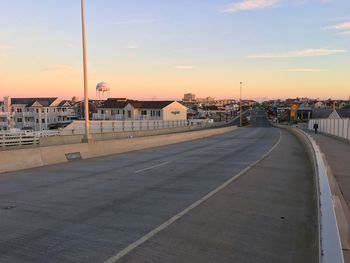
column 240, row 105
column 87, row 136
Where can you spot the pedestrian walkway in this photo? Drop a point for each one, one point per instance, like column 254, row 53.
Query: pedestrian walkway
column 337, row 153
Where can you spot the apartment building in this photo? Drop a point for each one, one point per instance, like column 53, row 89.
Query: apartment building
column 115, row 109
column 35, row 113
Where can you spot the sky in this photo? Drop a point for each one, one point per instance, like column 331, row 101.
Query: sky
column 161, row 49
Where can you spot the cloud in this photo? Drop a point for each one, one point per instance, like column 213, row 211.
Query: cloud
column 313, row 70
column 246, row 5
column 70, row 45
column 135, row 46
column 135, row 22
column 319, row 52
column 342, row 28
column 185, row 67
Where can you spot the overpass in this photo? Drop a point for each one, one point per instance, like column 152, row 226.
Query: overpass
column 244, row 196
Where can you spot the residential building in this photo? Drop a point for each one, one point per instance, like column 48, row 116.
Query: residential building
column 189, row 97
column 35, row 113
column 115, row 109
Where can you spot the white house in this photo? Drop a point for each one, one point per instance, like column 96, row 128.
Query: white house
column 114, row 109
column 35, row 113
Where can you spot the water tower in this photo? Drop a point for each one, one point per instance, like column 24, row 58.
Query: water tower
column 102, row 90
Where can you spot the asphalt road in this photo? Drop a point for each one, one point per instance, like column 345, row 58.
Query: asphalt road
column 91, row 210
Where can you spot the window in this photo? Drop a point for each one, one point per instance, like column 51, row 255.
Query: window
column 113, row 112
column 42, row 120
column 158, row 113
column 143, row 112
column 19, row 119
column 37, row 110
column 47, row 110
column 19, row 110
column 129, row 114
column 42, row 111
column 37, row 120
column 102, row 112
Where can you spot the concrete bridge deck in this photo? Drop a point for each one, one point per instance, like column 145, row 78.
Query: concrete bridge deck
column 117, row 208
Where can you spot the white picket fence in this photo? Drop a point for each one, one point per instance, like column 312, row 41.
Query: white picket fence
column 336, row 127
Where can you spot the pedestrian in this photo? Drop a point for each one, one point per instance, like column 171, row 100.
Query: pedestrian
column 316, row 127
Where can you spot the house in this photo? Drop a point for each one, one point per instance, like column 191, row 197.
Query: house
column 321, row 113
column 115, row 109
column 35, row 113
column 343, row 113
column 319, row 105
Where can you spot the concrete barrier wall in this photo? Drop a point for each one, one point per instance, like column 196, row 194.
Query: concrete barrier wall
column 13, row 160
column 333, row 212
column 75, row 139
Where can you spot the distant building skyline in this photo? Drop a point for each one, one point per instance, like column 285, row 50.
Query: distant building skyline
column 163, row 49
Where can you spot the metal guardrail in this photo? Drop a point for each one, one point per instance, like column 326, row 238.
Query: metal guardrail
column 330, row 240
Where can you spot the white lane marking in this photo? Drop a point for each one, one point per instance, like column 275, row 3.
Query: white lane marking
column 163, row 226
column 152, row 167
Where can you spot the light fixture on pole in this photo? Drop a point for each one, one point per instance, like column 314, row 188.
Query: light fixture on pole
column 87, row 136
column 240, row 105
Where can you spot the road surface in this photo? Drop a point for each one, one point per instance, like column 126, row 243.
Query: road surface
column 116, row 208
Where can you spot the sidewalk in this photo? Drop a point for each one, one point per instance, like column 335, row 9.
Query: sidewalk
column 337, row 154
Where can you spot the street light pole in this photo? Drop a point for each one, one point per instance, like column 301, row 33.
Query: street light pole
column 240, row 105
column 87, row 136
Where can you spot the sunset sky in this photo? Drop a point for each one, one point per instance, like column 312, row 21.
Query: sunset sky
column 160, row 49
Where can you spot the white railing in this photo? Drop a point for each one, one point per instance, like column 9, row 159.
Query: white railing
column 336, row 127
column 17, row 139
column 77, row 127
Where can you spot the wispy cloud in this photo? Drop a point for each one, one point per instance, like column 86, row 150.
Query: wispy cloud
column 185, row 67
column 70, row 45
column 311, row 70
column 342, row 28
column 318, row 52
column 133, row 46
column 246, row 5
column 135, row 21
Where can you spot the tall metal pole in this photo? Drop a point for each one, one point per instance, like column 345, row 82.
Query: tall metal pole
column 87, row 136
column 240, row 105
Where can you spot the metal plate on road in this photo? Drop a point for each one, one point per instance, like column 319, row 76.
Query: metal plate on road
column 73, row 156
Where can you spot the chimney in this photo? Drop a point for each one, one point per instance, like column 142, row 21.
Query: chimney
column 7, row 104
